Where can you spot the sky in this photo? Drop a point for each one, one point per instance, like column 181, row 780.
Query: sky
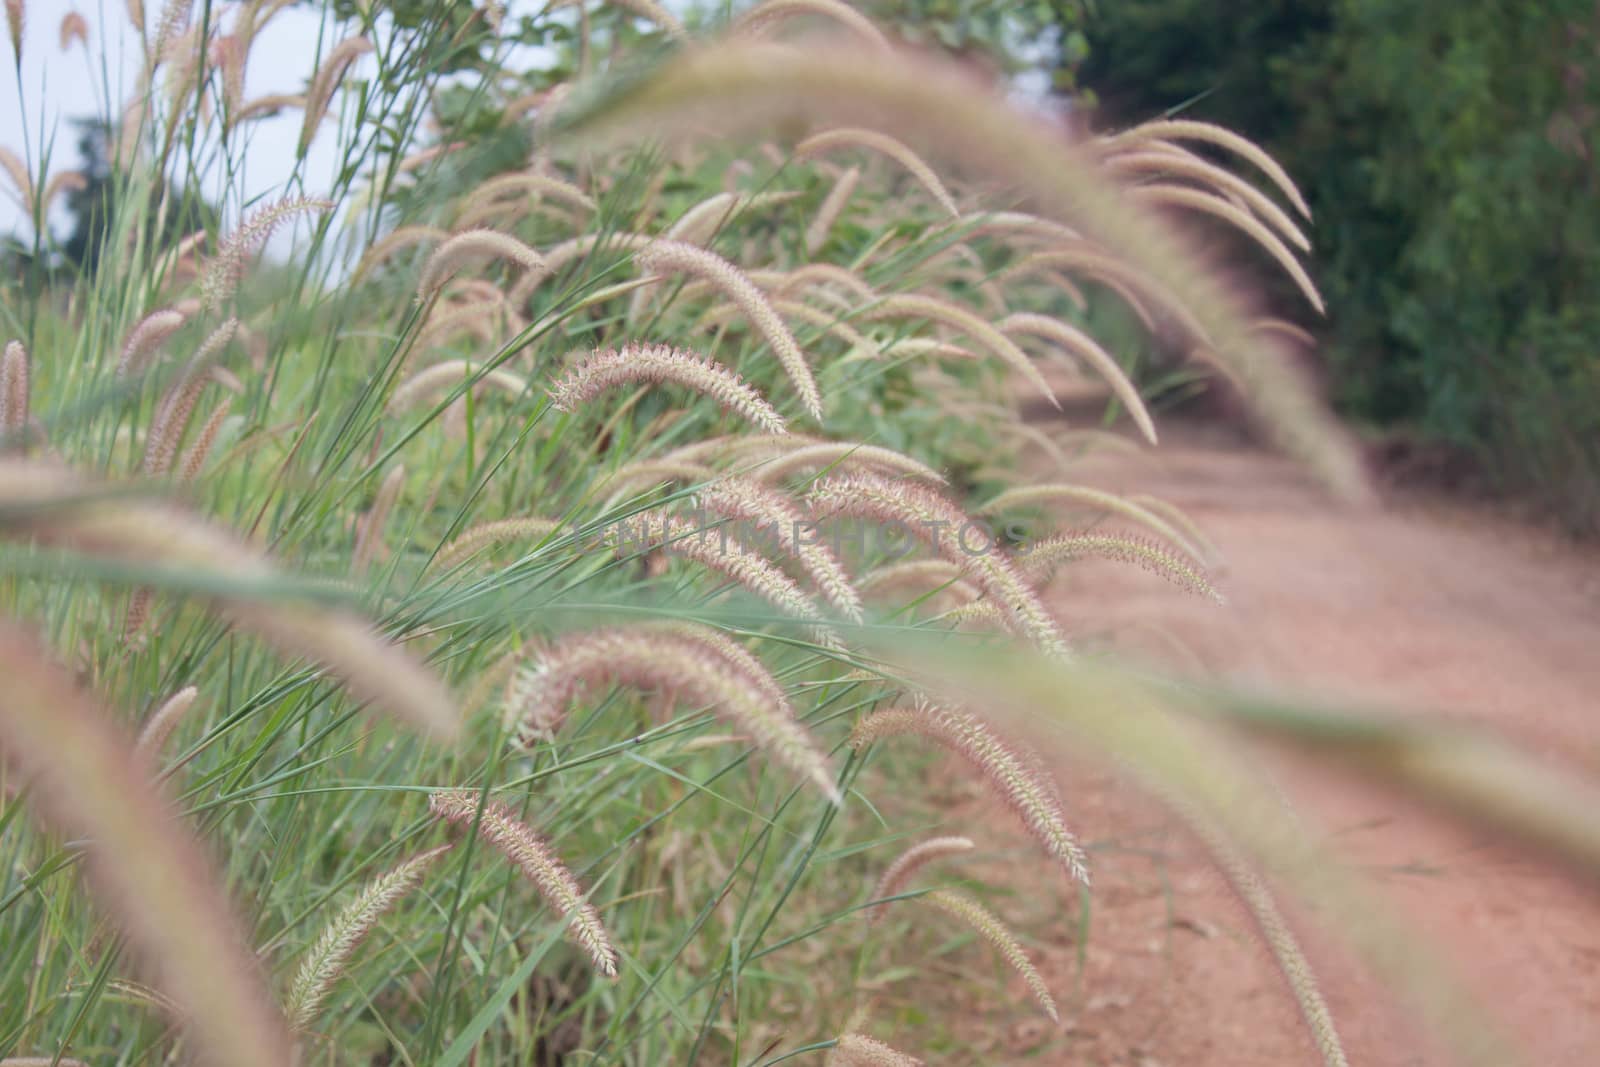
column 57, row 87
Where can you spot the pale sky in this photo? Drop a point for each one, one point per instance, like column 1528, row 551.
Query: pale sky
column 59, row 86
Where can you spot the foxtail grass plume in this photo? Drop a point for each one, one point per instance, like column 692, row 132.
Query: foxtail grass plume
column 15, row 392
column 716, row 550
column 324, row 81
column 369, row 527
column 15, row 23
column 648, row 10
column 763, row 506
column 832, row 207
column 330, row 955
column 462, row 248
column 153, row 735
column 738, row 86
column 1042, row 558
column 529, row 852
column 676, row 257
column 194, row 456
column 1083, row 496
column 1190, row 130
column 1180, row 520
column 762, row 17
column 171, row 418
column 933, row 577
column 933, row 519
column 605, row 369
column 908, row 863
column 1024, row 783
column 528, row 184
column 859, row 1050
column 882, row 143
column 826, row 321
column 395, row 242
column 148, row 335
column 453, row 372
column 494, row 532
column 912, row 305
column 1194, row 200
column 846, row 455
column 1175, row 162
column 994, row 931
column 55, row 506
column 146, row 870
column 222, row 274
column 696, row 671
column 1085, row 347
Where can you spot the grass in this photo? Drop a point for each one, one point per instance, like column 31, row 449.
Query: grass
column 352, row 465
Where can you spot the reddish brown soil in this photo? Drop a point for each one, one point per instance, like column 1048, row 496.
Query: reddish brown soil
column 1424, row 606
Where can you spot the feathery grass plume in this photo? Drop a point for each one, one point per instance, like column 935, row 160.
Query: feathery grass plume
column 913, row 305
column 21, row 180
column 824, row 274
column 1023, row 782
column 924, row 513
column 859, row 1050
column 1275, row 931
column 676, row 257
column 605, row 369
column 325, row 961
column 906, row 347
column 474, row 244
column 832, row 207
column 1190, row 130
column 736, row 655
column 742, row 498
column 51, row 503
column 494, row 532
column 153, row 735
column 194, row 457
column 324, row 81
column 369, row 527
column 1180, row 520
column 1022, row 224
column 529, row 852
column 934, row 577
column 397, row 240
column 483, row 319
column 648, row 10
column 628, row 479
column 267, row 106
column 716, row 550
column 1025, row 496
column 576, row 248
column 15, row 18
column 14, row 391
column 171, row 417
column 742, row 86
column 1134, row 286
column 90, row 785
column 702, row 221
column 758, row 19
column 1180, row 196
column 826, row 321
column 874, row 141
column 906, row 866
column 1042, row 558
column 452, row 372
column 994, row 931
column 1181, row 163
column 171, row 25
column 62, row 181
column 222, row 274
column 694, row 670
column 1085, row 347
column 527, row 184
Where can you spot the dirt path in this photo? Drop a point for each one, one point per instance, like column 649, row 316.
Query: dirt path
column 1421, row 606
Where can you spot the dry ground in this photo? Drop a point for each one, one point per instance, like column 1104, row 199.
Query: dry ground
column 1425, row 606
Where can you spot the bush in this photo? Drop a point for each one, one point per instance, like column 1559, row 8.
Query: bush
column 1448, row 150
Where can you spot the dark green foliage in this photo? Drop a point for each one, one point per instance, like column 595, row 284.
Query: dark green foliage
column 1448, row 149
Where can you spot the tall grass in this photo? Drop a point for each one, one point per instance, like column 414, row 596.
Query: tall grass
column 651, row 682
